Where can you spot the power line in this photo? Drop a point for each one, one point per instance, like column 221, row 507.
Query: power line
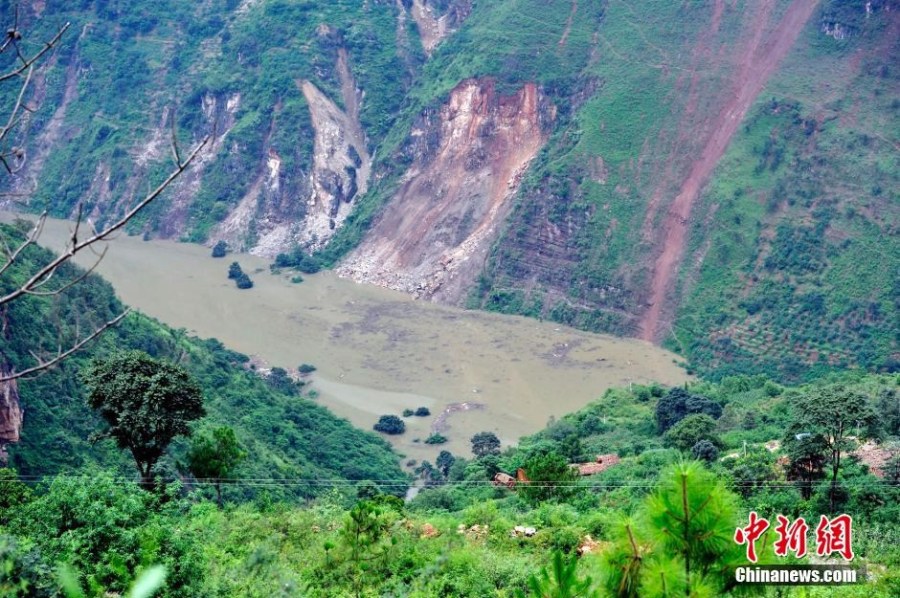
column 404, row 483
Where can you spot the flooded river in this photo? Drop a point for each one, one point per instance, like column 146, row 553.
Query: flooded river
column 378, row 351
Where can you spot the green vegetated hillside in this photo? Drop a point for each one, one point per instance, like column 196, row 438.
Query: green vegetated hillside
column 790, row 266
column 458, row 536
column 286, row 435
column 785, row 261
column 796, row 270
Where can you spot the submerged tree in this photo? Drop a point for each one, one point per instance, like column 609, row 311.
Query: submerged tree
column 146, row 403
column 390, row 424
column 220, row 249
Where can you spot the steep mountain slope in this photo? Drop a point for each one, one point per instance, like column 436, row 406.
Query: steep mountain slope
column 657, row 169
column 287, row 436
column 617, row 228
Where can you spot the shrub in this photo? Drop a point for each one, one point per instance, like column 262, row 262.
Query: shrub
column 423, row 412
column 390, row 424
column 297, row 260
column 704, row 450
column 436, row 439
column 305, row 368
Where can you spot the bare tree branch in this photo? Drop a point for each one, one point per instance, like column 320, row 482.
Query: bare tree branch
column 11, row 257
column 43, row 365
column 12, row 159
column 72, row 250
column 27, row 62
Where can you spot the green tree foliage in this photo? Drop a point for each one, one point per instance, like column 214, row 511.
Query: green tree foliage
column 691, row 430
column 832, row 414
column 681, row 541
column 806, row 454
column 704, row 450
column 13, row 493
column 390, row 424
column 278, row 379
column 485, row 443
column 107, row 531
column 444, row 462
column 678, row 403
column 366, row 542
column 220, row 249
column 436, row 439
column 215, row 456
column 559, row 580
column 752, row 470
column 298, row 260
column 145, row 403
column 551, row 478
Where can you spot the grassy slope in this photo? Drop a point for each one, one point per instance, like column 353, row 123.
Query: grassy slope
column 798, row 269
column 821, row 155
column 636, row 107
column 287, row 436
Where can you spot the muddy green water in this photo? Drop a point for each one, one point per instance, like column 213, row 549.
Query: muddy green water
column 378, row 351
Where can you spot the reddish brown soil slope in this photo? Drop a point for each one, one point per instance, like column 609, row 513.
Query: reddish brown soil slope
column 761, row 56
column 433, row 236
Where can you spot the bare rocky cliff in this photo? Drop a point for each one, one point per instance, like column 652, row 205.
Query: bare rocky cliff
column 282, row 209
column 468, row 159
column 433, row 26
column 10, row 415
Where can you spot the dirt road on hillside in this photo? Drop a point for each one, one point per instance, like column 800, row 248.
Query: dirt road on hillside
column 761, row 55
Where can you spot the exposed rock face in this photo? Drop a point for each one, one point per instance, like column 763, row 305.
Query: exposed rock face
column 341, row 165
column 434, row 27
column 10, row 412
column 468, row 159
column 309, row 213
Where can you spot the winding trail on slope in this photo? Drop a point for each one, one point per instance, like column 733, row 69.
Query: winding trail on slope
column 761, row 58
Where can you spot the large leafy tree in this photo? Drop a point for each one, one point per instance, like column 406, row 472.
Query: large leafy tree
column 145, row 402
column 833, row 417
column 691, row 430
column 678, row 403
column 485, row 443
